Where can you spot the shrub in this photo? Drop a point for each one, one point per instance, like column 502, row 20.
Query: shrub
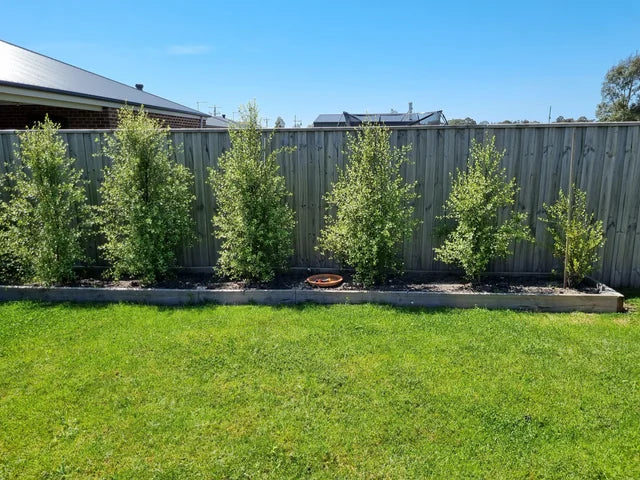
column 373, row 207
column 145, row 213
column 579, row 236
column 474, row 236
column 11, row 271
column 44, row 220
column 252, row 220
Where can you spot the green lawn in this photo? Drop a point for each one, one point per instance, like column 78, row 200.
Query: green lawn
column 317, row 391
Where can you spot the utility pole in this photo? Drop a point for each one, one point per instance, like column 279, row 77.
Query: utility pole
column 266, row 122
column 200, row 102
column 296, row 122
column 215, row 110
column 549, row 113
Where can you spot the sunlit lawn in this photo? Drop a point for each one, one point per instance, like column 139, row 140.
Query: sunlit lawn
column 316, row 391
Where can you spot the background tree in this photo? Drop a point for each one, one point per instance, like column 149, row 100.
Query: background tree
column 279, row 123
column 621, row 92
column 581, row 119
column 252, row 220
column 513, row 122
column 462, row 121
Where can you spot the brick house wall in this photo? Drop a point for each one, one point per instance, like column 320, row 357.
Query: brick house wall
column 19, row 116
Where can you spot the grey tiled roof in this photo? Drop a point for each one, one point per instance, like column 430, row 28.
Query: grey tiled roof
column 219, row 122
column 23, row 68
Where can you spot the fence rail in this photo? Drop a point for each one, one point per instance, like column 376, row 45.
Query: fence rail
column 607, row 166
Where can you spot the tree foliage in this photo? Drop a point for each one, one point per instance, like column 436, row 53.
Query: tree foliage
column 252, row 220
column 373, row 204
column 462, row 121
column 621, row 92
column 474, row 235
column 582, row 119
column 578, row 236
column 43, row 223
column 145, row 213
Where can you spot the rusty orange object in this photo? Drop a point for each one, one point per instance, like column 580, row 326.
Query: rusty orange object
column 325, row 280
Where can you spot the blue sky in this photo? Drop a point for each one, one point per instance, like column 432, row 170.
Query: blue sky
column 487, row 60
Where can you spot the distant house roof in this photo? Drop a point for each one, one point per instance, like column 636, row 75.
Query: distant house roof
column 23, row 69
column 219, row 122
column 346, row 119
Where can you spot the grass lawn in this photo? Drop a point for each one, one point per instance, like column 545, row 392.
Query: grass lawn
column 337, row 391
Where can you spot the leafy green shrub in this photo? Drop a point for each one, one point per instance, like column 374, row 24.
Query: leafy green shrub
column 579, row 237
column 374, row 210
column 474, row 235
column 11, row 271
column 145, row 214
column 252, row 219
column 44, row 220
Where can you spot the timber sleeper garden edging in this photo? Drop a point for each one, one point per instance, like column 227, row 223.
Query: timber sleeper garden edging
column 607, row 300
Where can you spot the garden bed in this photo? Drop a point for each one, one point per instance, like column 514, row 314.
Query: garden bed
column 516, row 292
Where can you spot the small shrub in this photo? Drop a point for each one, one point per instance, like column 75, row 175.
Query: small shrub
column 374, row 210
column 474, row 236
column 579, row 238
column 145, row 213
column 252, row 220
column 44, row 220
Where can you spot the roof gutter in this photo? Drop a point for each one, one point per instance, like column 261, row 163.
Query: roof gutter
column 97, row 97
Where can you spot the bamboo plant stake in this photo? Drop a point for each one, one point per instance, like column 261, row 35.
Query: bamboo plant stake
column 565, row 282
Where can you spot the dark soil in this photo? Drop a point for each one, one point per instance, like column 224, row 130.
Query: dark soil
column 443, row 282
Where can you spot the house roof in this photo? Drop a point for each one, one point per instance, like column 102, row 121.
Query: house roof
column 219, row 122
column 345, row 118
column 23, row 68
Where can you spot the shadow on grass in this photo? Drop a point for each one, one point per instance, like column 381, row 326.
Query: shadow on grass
column 305, row 307
column 631, row 299
column 632, row 294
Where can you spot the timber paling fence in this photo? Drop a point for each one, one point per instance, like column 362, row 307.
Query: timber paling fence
column 606, row 166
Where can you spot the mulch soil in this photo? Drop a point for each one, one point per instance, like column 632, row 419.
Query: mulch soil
column 444, row 282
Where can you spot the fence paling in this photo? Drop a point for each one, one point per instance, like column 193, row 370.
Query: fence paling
column 607, row 167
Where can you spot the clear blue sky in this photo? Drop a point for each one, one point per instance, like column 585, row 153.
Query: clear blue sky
column 487, row 60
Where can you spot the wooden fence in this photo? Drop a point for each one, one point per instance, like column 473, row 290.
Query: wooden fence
column 607, row 166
